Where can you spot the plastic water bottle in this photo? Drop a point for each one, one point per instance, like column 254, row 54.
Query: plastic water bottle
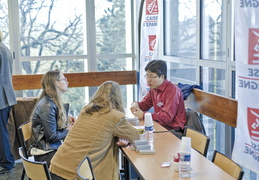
column 149, row 127
column 185, row 157
column 185, row 165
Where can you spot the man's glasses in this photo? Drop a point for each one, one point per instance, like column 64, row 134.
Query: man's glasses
column 150, row 77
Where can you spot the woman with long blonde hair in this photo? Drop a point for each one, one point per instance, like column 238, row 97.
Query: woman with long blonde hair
column 49, row 118
column 100, row 123
column 108, row 96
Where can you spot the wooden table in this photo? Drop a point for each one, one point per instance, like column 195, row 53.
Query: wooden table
column 166, row 146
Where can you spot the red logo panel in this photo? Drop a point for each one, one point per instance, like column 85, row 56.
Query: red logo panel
column 253, row 123
column 253, row 47
column 151, row 7
column 151, row 42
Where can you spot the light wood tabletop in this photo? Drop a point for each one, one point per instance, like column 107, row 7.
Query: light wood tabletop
column 166, row 145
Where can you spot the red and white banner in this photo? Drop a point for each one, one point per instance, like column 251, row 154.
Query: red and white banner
column 246, row 147
column 149, row 37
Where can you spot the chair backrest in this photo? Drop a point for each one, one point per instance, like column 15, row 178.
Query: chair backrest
column 85, row 169
column 25, row 132
column 228, row 165
column 194, row 121
column 200, row 142
column 34, row 170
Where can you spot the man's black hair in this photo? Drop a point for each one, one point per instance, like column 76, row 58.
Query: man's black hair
column 157, row 66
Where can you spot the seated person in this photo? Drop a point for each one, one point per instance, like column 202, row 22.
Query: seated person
column 165, row 97
column 95, row 134
column 49, row 117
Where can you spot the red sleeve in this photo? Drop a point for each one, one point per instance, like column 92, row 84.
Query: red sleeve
column 146, row 102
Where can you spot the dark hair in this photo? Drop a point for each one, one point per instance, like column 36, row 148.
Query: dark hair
column 157, row 66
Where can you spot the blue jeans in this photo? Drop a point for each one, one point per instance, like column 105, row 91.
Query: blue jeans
column 6, row 156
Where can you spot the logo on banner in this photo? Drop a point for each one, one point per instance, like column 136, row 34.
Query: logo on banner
column 152, row 42
column 253, row 123
column 151, row 7
column 253, row 57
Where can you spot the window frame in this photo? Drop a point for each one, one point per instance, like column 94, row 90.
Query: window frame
column 226, row 65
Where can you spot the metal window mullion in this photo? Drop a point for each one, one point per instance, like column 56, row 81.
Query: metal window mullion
column 91, row 35
column 14, row 27
column 50, row 58
column 229, row 131
column 198, row 41
column 108, row 56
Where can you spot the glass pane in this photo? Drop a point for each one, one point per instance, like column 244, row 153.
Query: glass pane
column 41, row 67
column 52, row 27
column 180, row 28
column 216, row 132
column 113, row 26
column 74, row 96
column 127, row 95
column 213, row 80
column 122, row 64
column 213, row 29
column 115, row 64
column 4, row 23
column 183, row 73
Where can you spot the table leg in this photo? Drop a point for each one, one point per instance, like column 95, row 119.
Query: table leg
column 126, row 169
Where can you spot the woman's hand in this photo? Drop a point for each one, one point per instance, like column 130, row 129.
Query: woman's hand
column 71, row 121
column 122, row 142
column 69, row 127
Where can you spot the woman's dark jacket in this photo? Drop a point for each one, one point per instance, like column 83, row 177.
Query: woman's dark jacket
column 45, row 132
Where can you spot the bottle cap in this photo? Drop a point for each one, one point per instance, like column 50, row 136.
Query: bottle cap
column 185, row 146
column 148, row 120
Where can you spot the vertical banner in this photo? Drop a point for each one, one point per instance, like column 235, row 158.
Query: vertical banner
column 246, row 147
column 148, row 43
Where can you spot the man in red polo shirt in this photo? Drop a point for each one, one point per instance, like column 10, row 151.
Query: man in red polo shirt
column 165, row 97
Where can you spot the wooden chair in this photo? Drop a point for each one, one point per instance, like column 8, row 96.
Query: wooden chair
column 228, row 165
column 85, row 169
column 200, row 142
column 25, row 132
column 35, row 170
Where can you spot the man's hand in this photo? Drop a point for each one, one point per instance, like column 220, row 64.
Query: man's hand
column 134, row 107
column 138, row 113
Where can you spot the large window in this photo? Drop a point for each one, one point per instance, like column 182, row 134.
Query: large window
column 112, row 27
column 4, row 23
column 213, row 29
column 213, row 80
column 51, row 28
column 70, row 35
column 180, row 72
column 187, row 47
column 180, row 28
column 197, row 43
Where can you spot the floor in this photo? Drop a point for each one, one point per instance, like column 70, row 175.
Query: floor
column 16, row 172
